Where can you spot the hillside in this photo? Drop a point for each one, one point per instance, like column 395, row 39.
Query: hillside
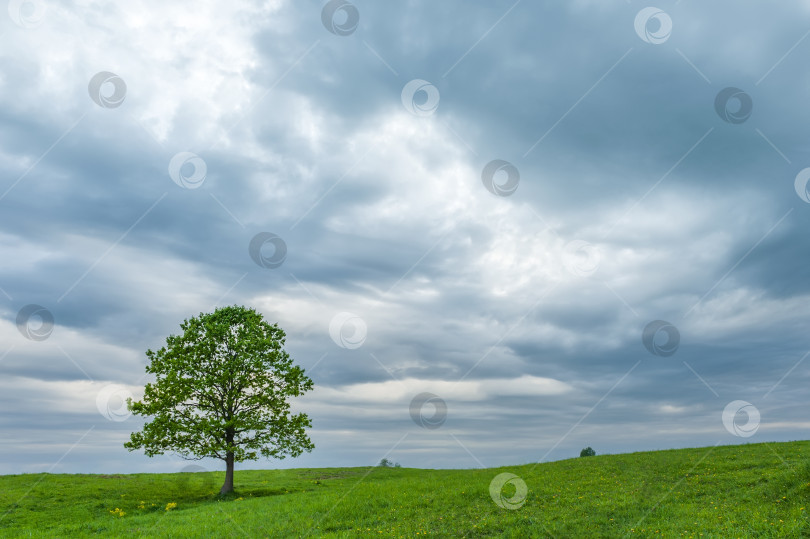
column 757, row 490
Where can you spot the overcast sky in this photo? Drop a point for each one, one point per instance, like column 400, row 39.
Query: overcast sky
column 571, row 224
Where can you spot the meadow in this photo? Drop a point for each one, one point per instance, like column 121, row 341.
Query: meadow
column 754, row 490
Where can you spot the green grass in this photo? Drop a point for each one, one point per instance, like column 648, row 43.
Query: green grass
column 757, row 490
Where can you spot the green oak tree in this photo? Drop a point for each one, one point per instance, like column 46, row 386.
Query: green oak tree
column 222, row 390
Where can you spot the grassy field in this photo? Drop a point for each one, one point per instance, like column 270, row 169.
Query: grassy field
column 757, row 490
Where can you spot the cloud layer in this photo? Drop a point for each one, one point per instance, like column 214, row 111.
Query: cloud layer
column 500, row 197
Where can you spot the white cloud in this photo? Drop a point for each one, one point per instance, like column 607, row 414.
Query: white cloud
column 396, row 391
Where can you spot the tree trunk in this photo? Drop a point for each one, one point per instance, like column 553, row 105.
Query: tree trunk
column 228, row 485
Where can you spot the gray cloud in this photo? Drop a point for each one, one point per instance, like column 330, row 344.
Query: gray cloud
column 304, row 134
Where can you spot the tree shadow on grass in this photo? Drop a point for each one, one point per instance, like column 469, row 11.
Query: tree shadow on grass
column 198, row 496
column 262, row 492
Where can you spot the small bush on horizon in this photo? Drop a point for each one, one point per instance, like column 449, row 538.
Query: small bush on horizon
column 587, row 452
column 385, row 463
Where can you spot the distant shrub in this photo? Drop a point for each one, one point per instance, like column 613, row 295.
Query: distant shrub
column 587, row 452
column 385, row 463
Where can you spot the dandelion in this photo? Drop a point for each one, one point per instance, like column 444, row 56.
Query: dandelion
column 170, row 506
column 118, row 512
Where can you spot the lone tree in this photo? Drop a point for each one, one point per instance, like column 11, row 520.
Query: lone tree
column 587, row 452
column 221, row 391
